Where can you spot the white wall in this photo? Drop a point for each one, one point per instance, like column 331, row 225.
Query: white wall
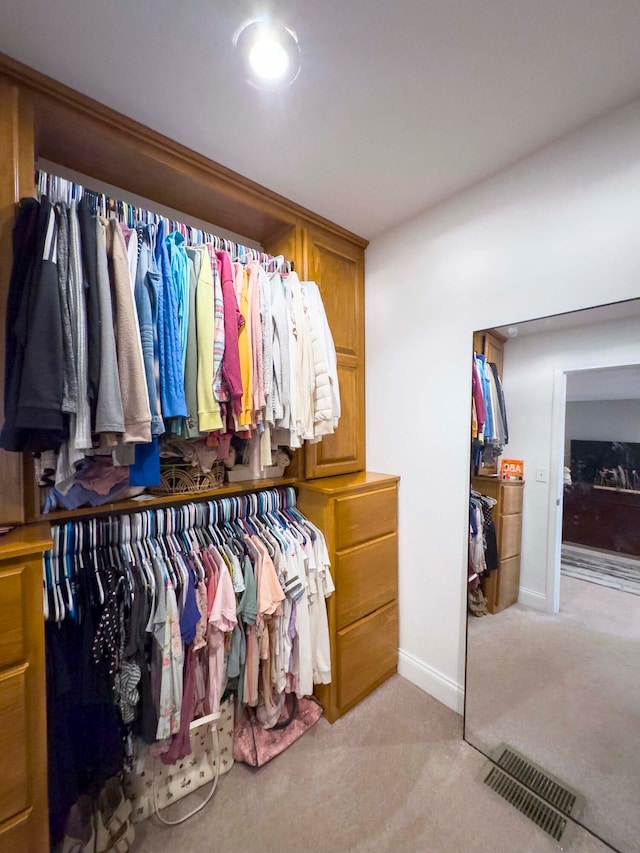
column 601, row 420
column 556, row 232
column 531, row 364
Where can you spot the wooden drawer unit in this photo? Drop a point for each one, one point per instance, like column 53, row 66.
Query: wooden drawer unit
column 358, row 514
column 501, row 588
column 23, row 729
column 367, row 654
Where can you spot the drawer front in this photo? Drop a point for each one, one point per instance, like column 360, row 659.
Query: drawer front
column 366, row 651
column 13, row 745
column 510, row 536
column 366, row 516
column 366, row 579
column 17, row 835
column 11, row 625
column 512, row 499
column 508, row 582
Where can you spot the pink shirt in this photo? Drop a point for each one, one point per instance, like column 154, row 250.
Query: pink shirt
column 233, row 322
column 222, row 619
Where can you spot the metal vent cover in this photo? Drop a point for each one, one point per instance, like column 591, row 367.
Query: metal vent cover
column 538, row 780
column 532, row 806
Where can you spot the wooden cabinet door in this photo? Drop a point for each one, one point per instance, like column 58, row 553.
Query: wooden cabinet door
column 289, row 242
column 16, row 180
column 337, row 267
column 23, row 732
column 490, row 344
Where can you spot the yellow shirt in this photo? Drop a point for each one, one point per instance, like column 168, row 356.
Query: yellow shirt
column 244, row 346
column 209, row 417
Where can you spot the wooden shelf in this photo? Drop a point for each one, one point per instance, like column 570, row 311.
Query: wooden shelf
column 23, row 541
column 620, row 490
column 134, row 505
column 361, row 481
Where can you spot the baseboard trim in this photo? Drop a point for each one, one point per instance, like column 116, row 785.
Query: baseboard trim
column 532, row 598
column 432, row 681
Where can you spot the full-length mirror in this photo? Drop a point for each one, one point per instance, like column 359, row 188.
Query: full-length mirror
column 553, row 631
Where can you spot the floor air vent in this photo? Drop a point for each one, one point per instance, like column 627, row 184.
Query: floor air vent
column 532, row 806
column 538, row 781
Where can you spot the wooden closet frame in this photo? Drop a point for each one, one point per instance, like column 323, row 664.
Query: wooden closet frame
column 43, row 119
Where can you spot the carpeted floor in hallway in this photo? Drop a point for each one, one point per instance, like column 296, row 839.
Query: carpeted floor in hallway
column 392, row 775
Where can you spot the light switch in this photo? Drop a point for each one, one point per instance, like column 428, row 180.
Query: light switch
column 542, row 475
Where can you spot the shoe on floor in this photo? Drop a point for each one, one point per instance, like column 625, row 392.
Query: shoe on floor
column 114, row 831
column 79, row 836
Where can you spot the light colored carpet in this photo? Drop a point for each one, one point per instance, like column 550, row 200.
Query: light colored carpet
column 392, row 775
column 602, row 567
column 565, row 691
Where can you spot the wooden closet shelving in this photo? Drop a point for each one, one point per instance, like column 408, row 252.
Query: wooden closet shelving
column 501, row 587
column 169, row 500
column 40, row 119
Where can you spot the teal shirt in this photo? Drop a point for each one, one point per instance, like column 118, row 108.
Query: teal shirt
column 180, row 275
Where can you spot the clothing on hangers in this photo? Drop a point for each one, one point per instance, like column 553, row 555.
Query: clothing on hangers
column 483, row 543
column 489, row 428
column 168, row 610
column 140, row 346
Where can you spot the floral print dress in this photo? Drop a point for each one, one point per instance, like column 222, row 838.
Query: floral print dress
column 172, row 662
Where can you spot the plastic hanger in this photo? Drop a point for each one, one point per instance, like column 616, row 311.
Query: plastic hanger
column 59, row 608
column 46, row 557
column 49, row 596
column 68, row 552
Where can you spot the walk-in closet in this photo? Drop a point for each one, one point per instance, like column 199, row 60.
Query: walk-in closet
column 319, row 456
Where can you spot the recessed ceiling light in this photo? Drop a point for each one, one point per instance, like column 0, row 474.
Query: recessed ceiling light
column 269, row 59
column 270, row 54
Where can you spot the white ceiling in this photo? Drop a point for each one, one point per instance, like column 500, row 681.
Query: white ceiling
column 601, row 383
column 607, row 383
column 398, row 104
column 609, row 312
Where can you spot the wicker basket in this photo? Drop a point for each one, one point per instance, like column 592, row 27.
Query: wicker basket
column 183, row 479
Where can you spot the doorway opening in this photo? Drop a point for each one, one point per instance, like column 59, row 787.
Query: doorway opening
column 597, row 539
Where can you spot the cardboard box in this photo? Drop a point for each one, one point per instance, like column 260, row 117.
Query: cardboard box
column 241, row 473
column 512, row 469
